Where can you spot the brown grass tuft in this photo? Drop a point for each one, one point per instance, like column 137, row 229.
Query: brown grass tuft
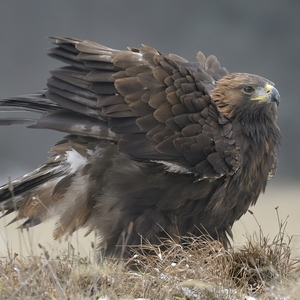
column 203, row 269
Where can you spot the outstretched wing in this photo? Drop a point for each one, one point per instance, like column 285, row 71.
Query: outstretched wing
column 156, row 107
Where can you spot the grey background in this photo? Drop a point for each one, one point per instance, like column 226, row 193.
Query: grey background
column 261, row 37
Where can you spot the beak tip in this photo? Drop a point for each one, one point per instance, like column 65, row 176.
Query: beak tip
column 275, row 96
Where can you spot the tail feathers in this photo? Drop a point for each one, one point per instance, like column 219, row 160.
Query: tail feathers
column 63, row 188
column 28, row 195
column 26, row 224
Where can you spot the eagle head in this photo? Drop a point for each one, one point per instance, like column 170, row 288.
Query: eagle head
column 243, row 92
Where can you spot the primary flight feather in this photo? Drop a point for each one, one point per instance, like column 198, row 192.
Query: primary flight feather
column 157, row 147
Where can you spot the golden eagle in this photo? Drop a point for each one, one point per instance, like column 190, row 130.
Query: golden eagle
column 157, row 147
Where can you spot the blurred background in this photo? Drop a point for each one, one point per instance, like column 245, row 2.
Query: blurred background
column 260, row 37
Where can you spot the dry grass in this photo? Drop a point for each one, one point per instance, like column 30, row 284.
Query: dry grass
column 262, row 269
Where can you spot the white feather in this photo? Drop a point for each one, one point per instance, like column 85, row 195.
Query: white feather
column 75, row 160
column 173, row 168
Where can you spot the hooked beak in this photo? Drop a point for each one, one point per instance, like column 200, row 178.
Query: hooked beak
column 269, row 94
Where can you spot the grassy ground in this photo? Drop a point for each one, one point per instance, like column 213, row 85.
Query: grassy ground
column 261, row 269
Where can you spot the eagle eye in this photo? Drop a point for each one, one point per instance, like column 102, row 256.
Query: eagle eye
column 249, row 89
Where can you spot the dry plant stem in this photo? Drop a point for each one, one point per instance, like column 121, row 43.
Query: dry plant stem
column 202, row 269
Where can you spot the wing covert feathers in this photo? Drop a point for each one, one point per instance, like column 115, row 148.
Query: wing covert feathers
column 165, row 99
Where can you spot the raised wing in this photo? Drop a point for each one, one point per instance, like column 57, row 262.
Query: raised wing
column 157, row 107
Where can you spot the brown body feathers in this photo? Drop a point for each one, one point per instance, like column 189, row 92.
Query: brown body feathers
column 157, row 147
